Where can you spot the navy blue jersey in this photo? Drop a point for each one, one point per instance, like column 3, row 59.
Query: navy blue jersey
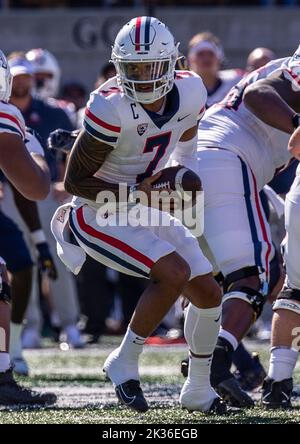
column 44, row 118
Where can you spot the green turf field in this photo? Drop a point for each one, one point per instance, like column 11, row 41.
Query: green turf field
column 85, row 397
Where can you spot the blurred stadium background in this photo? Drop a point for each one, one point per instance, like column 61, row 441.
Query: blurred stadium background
column 80, row 33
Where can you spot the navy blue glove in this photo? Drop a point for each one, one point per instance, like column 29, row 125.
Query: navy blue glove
column 62, row 140
column 45, row 261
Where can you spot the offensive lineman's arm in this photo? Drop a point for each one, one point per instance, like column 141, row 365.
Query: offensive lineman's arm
column 274, row 101
column 189, row 134
column 28, row 173
column 294, row 144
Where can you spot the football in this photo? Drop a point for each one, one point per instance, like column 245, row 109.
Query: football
column 178, row 178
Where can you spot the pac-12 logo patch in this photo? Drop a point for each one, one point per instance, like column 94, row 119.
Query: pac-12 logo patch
column 142, row 128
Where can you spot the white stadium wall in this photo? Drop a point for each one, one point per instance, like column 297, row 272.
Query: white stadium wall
column 81, row 39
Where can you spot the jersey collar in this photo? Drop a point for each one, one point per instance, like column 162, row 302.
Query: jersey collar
column 171, row 108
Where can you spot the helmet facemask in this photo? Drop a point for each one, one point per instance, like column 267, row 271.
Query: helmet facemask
column 46, row 85
column 145, row 81
column 144, row 55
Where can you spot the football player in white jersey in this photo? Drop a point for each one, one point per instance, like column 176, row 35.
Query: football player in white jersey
column 242, row 141
column 132, row 125
column 205, row 56
column 278, row 386
column 27, row 170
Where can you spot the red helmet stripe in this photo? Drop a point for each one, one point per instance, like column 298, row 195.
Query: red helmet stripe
column 138, row 33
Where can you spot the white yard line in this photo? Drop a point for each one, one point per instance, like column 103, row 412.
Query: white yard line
column 149, row 370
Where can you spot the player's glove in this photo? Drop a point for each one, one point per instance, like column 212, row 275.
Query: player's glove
column 62, row 140
column 45, row 260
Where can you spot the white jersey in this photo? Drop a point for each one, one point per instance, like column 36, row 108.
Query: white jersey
column 230, row 125
column 142, row 141
column 227, row 79
column 11, row 120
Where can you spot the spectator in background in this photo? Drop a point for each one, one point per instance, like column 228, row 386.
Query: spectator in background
column 44, row 118
column 259, row 57
column 74, row 92
column 47, row 75
column 205, row 57
column 107, row 72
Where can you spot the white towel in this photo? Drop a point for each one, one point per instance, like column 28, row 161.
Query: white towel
column 276, row 201
column 71, row 255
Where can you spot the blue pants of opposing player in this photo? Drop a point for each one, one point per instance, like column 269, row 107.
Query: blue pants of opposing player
column 13, row 248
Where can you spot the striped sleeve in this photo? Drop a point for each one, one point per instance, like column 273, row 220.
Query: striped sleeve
column 292, row 71
column 11, row 122
column 101, row 120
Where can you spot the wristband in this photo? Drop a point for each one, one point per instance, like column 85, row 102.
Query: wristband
column 38, row 236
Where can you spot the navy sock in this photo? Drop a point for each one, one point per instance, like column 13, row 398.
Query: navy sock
column 242, row 359
column 221, row 362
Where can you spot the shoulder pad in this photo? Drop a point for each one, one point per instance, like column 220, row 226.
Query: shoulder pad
column 193, row 87
column 291, row 71
column 101, row 118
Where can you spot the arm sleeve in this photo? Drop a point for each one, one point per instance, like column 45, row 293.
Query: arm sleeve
column 292, row 71
column 101, row 120
column 185, row 154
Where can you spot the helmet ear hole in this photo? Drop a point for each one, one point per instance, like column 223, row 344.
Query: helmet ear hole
column 145, row 41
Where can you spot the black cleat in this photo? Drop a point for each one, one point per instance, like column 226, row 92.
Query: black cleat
column 251, row 379
column 223, row 381
column 218, row 407
column 11, row 393
column 277, row 395
column 231, row 392
column 130, row 394
column 185, row 367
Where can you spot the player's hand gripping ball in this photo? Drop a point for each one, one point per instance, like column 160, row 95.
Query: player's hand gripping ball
column 180, row 179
